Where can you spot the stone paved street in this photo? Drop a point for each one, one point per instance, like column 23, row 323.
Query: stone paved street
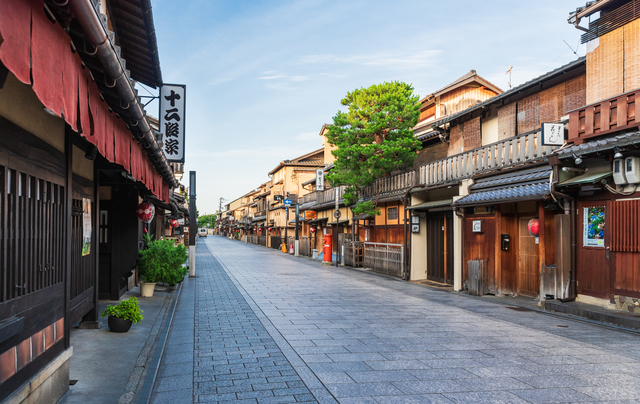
column 259, row 326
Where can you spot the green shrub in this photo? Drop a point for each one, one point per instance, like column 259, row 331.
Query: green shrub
column 126, row 310
column 161, row 261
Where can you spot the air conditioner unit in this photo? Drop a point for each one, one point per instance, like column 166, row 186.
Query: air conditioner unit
column 632, row 169
column 618, row 172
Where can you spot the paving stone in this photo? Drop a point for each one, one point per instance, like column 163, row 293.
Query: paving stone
column 294, row 331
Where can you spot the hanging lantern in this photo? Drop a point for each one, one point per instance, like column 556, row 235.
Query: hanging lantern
column 534, row 227
column 174, row 223
column 145, row 212
column 312, row 229
column 269, row 229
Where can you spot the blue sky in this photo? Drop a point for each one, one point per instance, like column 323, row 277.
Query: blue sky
column 264, row 76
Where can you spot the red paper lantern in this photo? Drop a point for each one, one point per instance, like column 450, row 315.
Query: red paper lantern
column 145, row 212
column 174, row 223
column 534, row 227
column 312, row 229
column 269, row 229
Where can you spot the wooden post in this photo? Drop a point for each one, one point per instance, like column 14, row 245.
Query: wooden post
column 67, row 239
column 498, row 250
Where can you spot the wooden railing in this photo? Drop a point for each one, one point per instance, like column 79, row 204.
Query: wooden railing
column 613, row 114
column 329, row 195
column 510, row 152
column 392, row 183
column 311, row 197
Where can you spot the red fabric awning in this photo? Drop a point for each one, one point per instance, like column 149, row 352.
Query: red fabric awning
column 35, row 48
column 15, row 29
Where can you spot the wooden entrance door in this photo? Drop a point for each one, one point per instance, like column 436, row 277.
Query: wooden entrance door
column 440, row 247
column 528, row 271
column 592, row 250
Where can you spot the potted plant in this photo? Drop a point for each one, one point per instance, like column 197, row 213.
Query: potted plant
column 123, row 315
column 175, row 270
column 161, row 261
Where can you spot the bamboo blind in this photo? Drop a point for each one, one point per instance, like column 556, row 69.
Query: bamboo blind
column 632, row 56
column 507, row 121
column 605, row 65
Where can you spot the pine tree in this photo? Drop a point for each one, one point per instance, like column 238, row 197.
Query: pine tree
column 373, row 139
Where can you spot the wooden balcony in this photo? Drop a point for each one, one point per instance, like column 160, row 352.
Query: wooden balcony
column 511, row 152
column 611, row 115
column 329, row 195
column 310, row 197
column 388, row 184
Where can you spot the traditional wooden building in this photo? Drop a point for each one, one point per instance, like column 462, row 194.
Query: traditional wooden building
column 77, row 155
column 600, row 165
column 434, row 247
column 504, row 181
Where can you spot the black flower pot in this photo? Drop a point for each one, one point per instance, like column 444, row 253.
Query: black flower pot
column 119, row 325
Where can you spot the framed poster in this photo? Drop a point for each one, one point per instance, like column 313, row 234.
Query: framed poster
column 86, row 226
column 593, row 226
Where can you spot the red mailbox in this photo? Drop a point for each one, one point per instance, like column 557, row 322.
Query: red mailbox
column 327, row 248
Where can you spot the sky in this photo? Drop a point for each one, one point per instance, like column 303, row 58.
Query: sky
column 264, row 76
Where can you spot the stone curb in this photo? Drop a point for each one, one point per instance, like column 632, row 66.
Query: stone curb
column 147, row 387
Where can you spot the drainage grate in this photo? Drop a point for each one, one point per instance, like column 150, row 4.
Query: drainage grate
column 72, row 382
column 562, row 326
column 518, row 308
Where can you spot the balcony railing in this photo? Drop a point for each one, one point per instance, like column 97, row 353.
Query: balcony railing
column 311, row 197
column 393, row 183
column 329, row 195
column 507, row 153
column 613, row 114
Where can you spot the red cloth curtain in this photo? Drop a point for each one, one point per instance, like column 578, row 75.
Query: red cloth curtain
column 83, row 102
column 110, row 118
column 15, row 29
column 35, row 48
column 123, row 145
column 97, row 118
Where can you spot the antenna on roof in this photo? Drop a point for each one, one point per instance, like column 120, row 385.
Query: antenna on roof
column 509, row 73
column 575, row 52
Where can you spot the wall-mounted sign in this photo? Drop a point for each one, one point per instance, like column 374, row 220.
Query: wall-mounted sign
column 320, row 179
column 477, row 226
column 415, row 224
column 310, row 214
column 552, row 134
column 172, row 117
column 278, row 198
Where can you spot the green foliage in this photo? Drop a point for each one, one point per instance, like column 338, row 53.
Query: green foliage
column 147, row 238
column 161, row 261
column 126, row 310
column 374, row 138
column 207, row 220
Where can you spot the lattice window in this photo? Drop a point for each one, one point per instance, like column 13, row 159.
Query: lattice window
column 33, row 233
column 625, row 229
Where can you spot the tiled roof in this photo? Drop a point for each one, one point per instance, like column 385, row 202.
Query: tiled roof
column 528, row 192
column 562, row 69
column 518, row 177
column 608, row 143
column 519, row 186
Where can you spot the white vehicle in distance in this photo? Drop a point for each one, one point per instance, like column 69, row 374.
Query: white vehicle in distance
column 202, row 232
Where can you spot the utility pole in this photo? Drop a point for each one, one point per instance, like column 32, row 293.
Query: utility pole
column 192, row 224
